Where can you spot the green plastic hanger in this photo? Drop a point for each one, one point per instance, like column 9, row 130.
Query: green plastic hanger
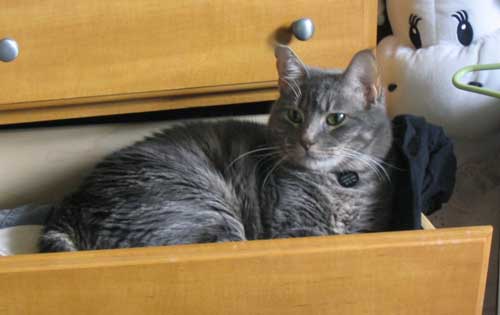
column 457, row 78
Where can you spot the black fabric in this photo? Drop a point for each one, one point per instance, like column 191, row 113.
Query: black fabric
column 424, row 170
column 385, row 29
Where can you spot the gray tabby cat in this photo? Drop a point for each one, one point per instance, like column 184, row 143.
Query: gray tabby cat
column 232, row 181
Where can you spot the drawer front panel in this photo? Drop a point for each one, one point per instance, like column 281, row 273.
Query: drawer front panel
column 416, row 272
column 89, row 51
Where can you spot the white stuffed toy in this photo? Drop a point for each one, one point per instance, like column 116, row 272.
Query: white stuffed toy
column 431, row 41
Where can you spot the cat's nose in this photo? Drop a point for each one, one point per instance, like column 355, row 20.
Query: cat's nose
column 306, row 143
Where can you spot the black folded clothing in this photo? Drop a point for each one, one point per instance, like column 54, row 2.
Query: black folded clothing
column 424, row 170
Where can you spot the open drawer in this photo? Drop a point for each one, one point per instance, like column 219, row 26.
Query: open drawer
column 414, row 272
column 428, row 271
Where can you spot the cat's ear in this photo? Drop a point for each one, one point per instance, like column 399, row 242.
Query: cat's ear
column 363, row 73
column 290, row 68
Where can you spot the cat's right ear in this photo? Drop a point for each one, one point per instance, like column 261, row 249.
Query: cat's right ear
column 291, row 69
column 363, row 73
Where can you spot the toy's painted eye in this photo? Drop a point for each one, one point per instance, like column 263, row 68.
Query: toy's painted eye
column 415, row 37
column 465, row 33
column 295, row 116
column 335, row 119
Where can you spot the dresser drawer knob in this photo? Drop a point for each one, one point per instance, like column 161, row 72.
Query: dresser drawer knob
column 303, row 29
column 9, row 50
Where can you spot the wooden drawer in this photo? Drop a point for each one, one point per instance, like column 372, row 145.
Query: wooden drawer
column 145, row 55
column 416, row 272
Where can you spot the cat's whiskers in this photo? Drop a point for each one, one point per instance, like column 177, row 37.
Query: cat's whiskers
column 264, row 158
column 276, row 165
column 340, row 152
column 377, row 162
column 363, row 162
column 381, row 161
column 373, row 163
column 378, row 169
column 251, row 152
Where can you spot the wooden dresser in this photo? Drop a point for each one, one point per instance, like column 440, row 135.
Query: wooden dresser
column 105, row 57
column 95, row 57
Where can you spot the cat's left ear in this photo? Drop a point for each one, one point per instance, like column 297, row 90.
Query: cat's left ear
column 290, row 68
column 363, row 73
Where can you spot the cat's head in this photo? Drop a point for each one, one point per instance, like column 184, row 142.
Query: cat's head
column 329, row 119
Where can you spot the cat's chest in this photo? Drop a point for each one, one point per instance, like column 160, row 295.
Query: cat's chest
column 349, row 201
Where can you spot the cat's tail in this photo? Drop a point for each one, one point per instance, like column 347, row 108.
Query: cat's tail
column 53, row 240
column 58, row 235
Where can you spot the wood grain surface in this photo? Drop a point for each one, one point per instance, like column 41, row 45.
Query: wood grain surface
column 416, row 272
column 94, row 51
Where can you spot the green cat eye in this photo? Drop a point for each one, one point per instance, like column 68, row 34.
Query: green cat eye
column 295, row 116
column 335, row 119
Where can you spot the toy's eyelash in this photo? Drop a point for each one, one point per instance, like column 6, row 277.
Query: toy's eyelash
column 461, row 16
column 414, row 19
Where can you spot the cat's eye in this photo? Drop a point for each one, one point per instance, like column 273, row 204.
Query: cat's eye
column 415, row 37
column 335, row 119
column 465, row 33
column 295, row 116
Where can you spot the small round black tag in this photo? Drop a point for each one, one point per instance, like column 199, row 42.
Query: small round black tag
column 348, row 179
